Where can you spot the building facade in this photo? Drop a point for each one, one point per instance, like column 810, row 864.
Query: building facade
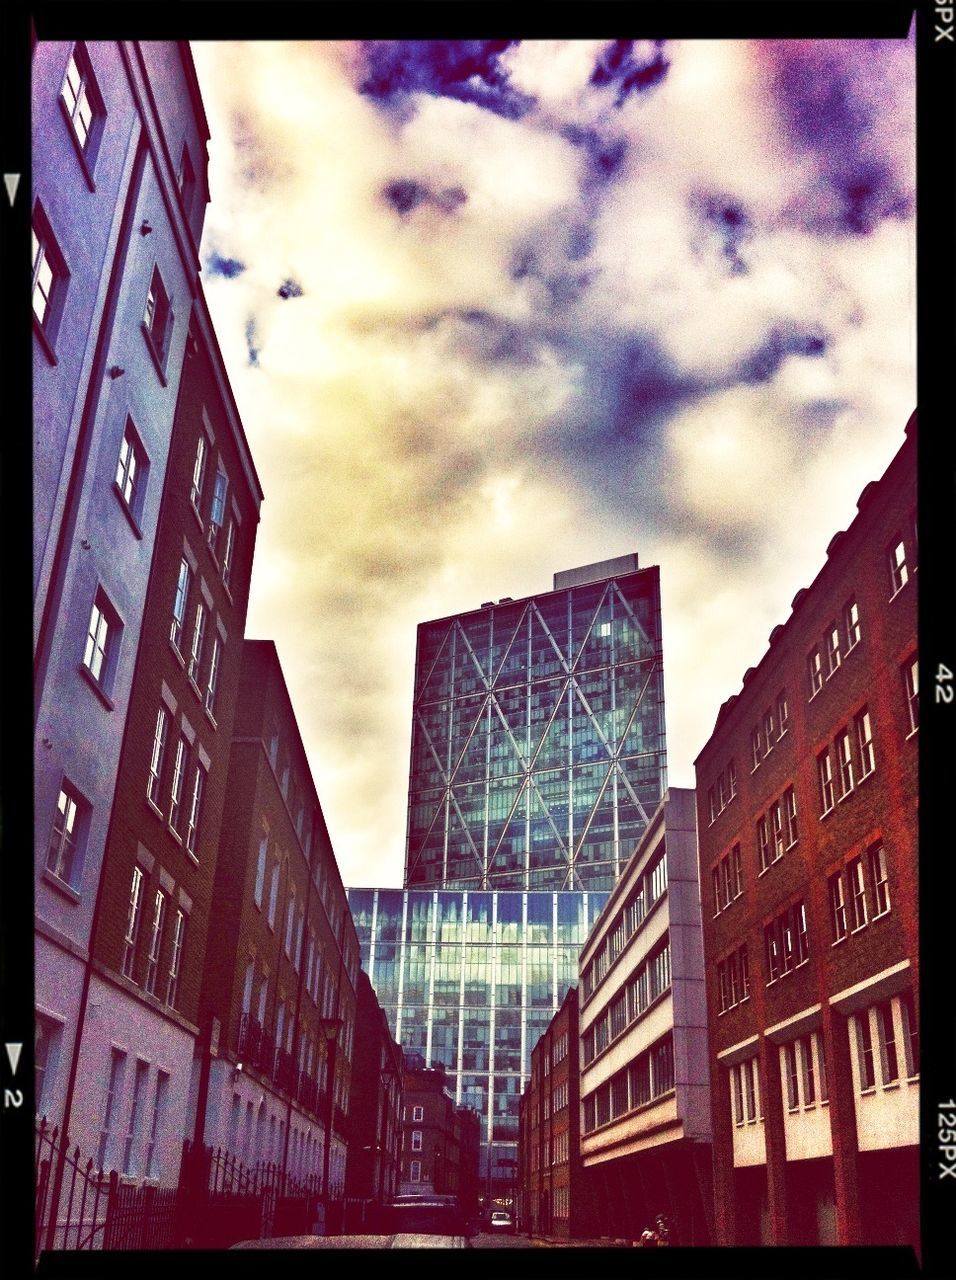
column 469, row 981
column 645, row 1090
column 440, row 1147
column 282, row 962
column 807, row 811
column 375, row 1110
column 538, row 735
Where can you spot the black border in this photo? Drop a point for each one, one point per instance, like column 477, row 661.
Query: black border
column 936, row 359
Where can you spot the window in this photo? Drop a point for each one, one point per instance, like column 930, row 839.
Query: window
column 864, row 1045
column 749, row 1071
column 845, row 761
column 416, row 1139
column 763, row 843
column 217, row 513
column 805, row 1044
column 135, row 1114
column 289, row 922
column 776, row 828
column 910, row 1034
column 825, row 777
column 418, row 1113
column 179, row 604
column 881, row 888
column 889, row 1061
column 833, row 648
column 767, row 731
column 82, row 105
column 910, row 673
column 261, row 871
column 159, row 1112
column 737, row 877
column 415, row 1171
column 273, row 894
column 117, row 1065
column 195, row 808
column 46, row 1047
column 737, row 1087
column 212, row 680
column 857, row 881
column 755, row 750
column 155, row 942
column 772, row 952
column 131, row 470
column 50, row 278
column 172, row 983
column 102, row 641
column 712, row 804
column 815, row 668
column 838, row 917
column 132, row 922
column 158, row 320
column 790, row 810
column 732, row 777
column 156, row 758
column 199, row 473
column 64, row 854
column 792, row 1076
column 899, row 573
column 195, row 649
column 229, row 552
column 864, row 735
column 180, row 768
column 783, row 713
column 851, row 623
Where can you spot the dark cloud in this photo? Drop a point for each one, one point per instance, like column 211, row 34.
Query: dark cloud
column 762, row 364
column 228, row 267
column 605, row 155
column 727, row 222
column 252, row 341
column 290, row 289
column 467, row 70
column 406, row 194
column 633, row 66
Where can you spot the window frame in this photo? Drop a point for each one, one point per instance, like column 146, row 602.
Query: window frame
column 157, row 322
column 101, row 646
column 133, row 917
column 133, row 475
column 851, row 623
column 826, row 782
column 157, row 758
column 87, row 146
column 899, row 568
column 909, row 671
column 863, row 725
column 46, row 251
column 76, row 812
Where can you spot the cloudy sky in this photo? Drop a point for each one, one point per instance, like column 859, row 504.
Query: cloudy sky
column 493, row 309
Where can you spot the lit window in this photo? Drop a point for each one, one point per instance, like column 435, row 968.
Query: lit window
column 899, row 573
column 837, row 907
column 50, row 278
column 180, row 603
column 783, row 713
column 199, row 636
column 102, row 638
column 416, row 1139
column 833, row 648
column 83, row 104
column 158, row 320
column 199, row 472
column 217, row 513
column 825, row 778
column 178, row 781
column 131, row 469
column 213, row 679
column 156, row 758
column 864, row 735
column 195, row 808
column 64, row 854
column 910, row 671
column 175, row 959
column 229, row 552
column 881, row 888
column 132, row 922
column 844, row 746
column 155, row 941
column 815, row 669
column 857, row 879
column 851, row 623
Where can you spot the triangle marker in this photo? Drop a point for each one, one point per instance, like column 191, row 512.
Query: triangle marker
column 13, row 1053
column 11, row 181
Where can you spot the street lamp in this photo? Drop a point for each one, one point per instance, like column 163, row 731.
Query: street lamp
column 329, row 1029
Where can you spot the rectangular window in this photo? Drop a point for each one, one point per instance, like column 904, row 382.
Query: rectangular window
column 771, row 935
column 815, row 670
column 199, row 473
column 415, row 1171
column 172, row 985
column 825, row 778
column 712, row 803
column 776, row 829
column 844, row 747
column 416, row 1139
column 755, row 748
column 156, row 758
column 833, row 648
column 721, row 792
column 881, row 887
column 800, row 924
column 212, row 681
column 64, row 851
column 217, row 512
column 910, row 673
column 180, row 604
column 838, row 918
column 790, row 810
column 195, row 649
column 806, row 1061
column 725, row 879
column 744, row 973
column 737, row 873
column 822, row 1067
column 273, row 894
column 117, row 1063
column 792, row 1076
column 910, row 1034
column 738, row 1095
column 82, row 104
column 155, row 942
column 864, row 735
column 102, row 640
column 131, row 469
column 135, row 1113
column 229, row 551
column 46, row 1044
column 763, row 843
column 783, row 713
column 851, row 623
column 50, row 278
column 289, row 922
column 195, row 808
column 180, row 768
column 857, row 880
column 864, row 1044
column 749, row 1070
column 158, row 319
column 889, row 1062
column 899, row 573
column 732, row 778
column 132, row 922
column 717, row 902
column 418, row 1113
column 261, row 871
column 186, row 180
column 768, row 735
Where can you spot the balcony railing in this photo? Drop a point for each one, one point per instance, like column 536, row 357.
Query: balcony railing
column 255, row 1047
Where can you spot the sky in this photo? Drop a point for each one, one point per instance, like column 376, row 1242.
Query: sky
column 495, row 309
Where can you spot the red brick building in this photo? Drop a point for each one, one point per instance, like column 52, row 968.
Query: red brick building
column 553, row 1195
column 807, row 818
column 440, row 1141
column 282, row 962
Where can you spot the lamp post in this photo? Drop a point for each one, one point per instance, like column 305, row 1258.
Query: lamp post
column 329, row 1029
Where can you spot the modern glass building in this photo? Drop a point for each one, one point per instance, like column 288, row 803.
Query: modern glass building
column 538, row 747
column 471, row 979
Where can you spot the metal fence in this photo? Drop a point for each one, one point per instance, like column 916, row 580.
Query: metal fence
column 76, row 1218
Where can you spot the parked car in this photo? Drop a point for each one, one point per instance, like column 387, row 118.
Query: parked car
column 501, row 1221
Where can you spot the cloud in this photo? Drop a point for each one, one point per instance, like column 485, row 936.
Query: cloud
column 289, row 288
column 631, row 66
column 467, row 70
column 228, row 267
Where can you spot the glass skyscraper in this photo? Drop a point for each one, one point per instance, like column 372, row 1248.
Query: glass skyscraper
column 538, row 735
column 538, row 755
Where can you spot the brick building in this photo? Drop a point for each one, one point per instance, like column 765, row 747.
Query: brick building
column 282, row 961
column 645, row 1127
column 375, row 1109
column 440, row 1141
column 553, row 1195
column 807, row 814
